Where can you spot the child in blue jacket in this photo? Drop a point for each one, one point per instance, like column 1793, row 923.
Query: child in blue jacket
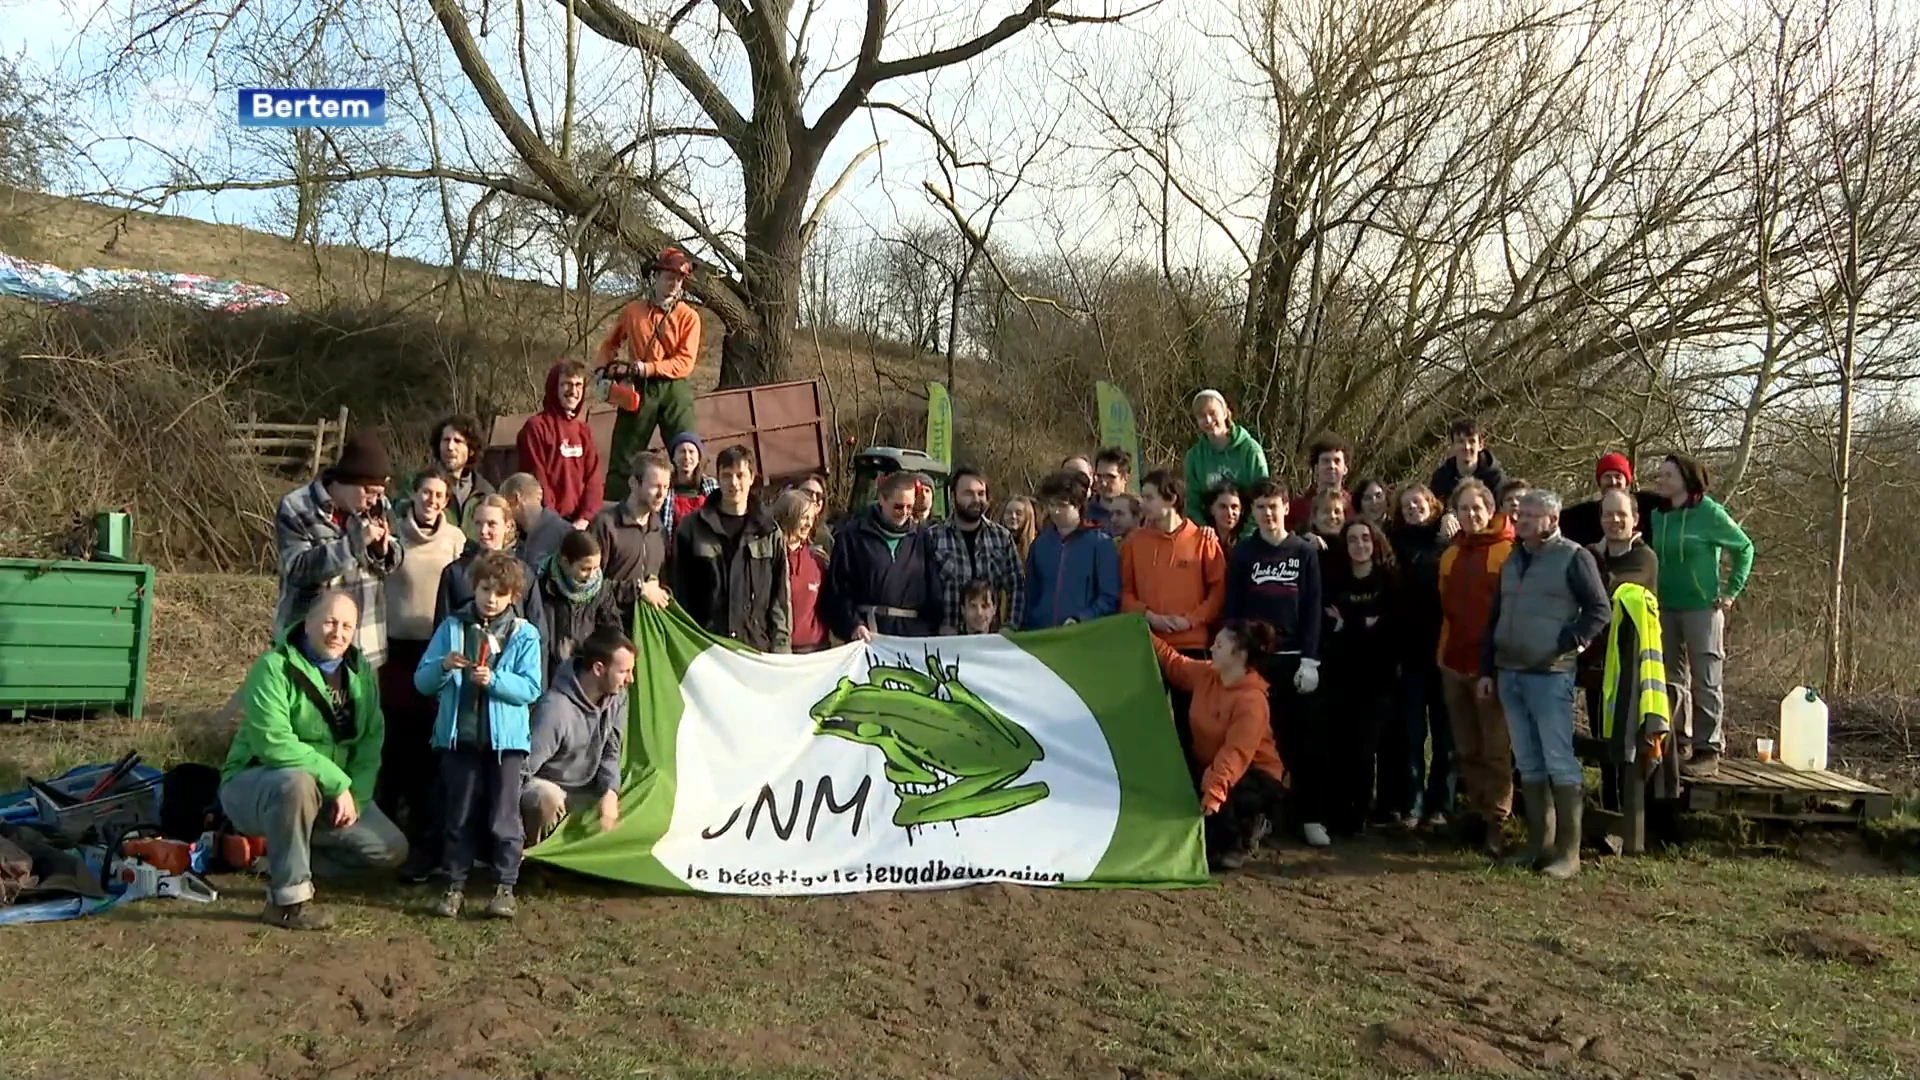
column 1073, row 568
column 484, row 666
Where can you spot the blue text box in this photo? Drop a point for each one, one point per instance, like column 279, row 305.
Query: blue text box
column 312, row 107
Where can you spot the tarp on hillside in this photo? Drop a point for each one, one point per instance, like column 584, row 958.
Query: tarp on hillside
column 1045, row 758
column 45, row 283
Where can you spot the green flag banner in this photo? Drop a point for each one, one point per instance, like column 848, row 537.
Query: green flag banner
column 940, row 424
column 1044, row 758
column 1117, row 427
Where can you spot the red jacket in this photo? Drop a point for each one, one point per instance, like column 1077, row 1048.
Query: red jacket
column 806, row 572
column 557, row 448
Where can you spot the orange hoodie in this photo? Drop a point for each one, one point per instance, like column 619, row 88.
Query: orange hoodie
column 671, row 349
column 1183, row 572
column 1469, row 580
column 1230, row 728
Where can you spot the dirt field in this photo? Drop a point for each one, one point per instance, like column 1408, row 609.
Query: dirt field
column 1379, row 959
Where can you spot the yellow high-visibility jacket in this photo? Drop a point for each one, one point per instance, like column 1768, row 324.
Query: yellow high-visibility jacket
column 1635, row 686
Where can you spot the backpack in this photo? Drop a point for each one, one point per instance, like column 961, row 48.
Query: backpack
column 190, row 802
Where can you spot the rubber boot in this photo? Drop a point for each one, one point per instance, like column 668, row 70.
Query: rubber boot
column 1569, row 803
column 1540, row 822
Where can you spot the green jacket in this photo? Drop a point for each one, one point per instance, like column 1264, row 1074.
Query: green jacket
column 1688, row 543
column 282, row 726
column 1243, row 462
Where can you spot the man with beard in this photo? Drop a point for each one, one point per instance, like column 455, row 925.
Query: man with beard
column 633, row 534
column 969, row 547
column 556, row 446
column 653, row 347
column 881, row 578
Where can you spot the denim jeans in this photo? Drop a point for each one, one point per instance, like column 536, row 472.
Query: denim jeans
column 1539, row 708
column 1423, row 712
column 285, row 807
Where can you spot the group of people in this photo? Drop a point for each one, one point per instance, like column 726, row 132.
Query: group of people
column 450, row 669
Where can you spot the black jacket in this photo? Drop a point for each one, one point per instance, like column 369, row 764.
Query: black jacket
column 563, row 624
column 456, row 586
column 1278, row 584
column 1580, row 522
column 864, row 574
column 1416, row 552
column 744, row 593
column 1487, row 469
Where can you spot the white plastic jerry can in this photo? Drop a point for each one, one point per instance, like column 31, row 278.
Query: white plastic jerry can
column 1803, row 729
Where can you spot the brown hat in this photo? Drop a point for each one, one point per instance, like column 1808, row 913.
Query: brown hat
column 363, row 460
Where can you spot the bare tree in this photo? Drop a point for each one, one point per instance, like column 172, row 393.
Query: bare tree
column 776, row 141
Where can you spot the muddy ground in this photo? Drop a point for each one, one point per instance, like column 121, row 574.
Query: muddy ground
column 1390, row 957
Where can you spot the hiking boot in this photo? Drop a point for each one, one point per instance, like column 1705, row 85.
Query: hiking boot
column 1436, row 821
column 1705, row 763
column 302, row 916
column 501, row 906
column 1569, row 803
column 419, row 868
column 1315, row 834
column 449, row 905
column 1540, row 828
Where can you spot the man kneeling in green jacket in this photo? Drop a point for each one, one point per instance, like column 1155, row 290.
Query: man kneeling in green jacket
column 302, row 766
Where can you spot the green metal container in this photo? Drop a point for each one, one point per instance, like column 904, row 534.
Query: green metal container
column 113, row 537
column 74, row 636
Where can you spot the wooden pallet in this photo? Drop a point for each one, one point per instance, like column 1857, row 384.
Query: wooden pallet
column 1768, row 789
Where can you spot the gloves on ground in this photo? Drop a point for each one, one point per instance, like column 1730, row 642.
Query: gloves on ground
column 1307, row 679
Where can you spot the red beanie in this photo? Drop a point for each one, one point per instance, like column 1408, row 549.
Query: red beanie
column 1614, row 463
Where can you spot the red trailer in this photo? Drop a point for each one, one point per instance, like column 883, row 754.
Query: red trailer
column 780, row 422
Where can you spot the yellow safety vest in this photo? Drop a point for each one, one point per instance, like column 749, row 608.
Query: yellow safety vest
column 1634, row 603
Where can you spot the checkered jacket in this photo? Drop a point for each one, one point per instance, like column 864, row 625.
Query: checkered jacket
column 316, row 555
column 994, row 557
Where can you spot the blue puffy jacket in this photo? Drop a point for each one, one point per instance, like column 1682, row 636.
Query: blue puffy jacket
column 504, row 706
column 1076, row 577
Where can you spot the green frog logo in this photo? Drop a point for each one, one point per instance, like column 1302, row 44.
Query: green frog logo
column 949, row 755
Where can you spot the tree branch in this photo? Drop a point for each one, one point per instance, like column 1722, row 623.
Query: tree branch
column 606, row 19
column 833, row 191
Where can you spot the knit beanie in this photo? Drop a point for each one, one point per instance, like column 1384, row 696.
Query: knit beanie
column 363, row 460
column 1614, row 463
column 684, row 438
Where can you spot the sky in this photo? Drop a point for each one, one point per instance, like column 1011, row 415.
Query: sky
column 1073, row 196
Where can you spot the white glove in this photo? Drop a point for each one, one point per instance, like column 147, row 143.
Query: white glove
column 1307, row 679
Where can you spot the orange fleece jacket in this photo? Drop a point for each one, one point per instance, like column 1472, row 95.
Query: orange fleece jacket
column 1183, row 572
column 1230, row 729
column 672, row 354
column 1469, row 580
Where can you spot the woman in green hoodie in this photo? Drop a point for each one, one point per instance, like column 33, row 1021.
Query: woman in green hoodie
column 1224, row 451
column 1691, row 533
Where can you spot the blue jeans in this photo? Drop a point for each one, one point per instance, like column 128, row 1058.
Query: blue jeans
column 1423, row 712
column 1539, row 708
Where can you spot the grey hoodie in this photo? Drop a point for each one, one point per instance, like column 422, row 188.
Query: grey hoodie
column 577, row 745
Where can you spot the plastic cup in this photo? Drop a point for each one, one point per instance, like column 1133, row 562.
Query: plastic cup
column 1763, row 749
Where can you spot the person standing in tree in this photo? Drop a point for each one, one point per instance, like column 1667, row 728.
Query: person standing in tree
column 1274, row 578
column 1692, row 534
column 730, row 562
column 1225, row 451
column 556, row 447
column 688, row 490
column 654, row 345
column 969, row 546
column 1175, row 573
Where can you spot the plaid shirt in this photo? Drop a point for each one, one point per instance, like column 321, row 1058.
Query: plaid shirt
column 316, row 555
column 708, row 485
column 992, row 557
